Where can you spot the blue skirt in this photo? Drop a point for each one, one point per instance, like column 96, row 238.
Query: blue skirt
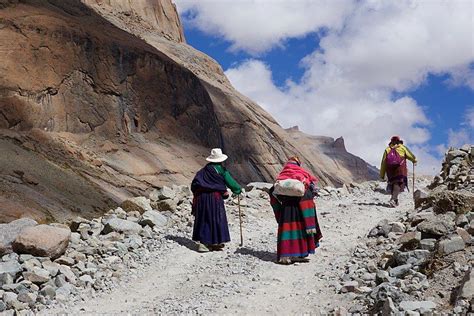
column 210, row 222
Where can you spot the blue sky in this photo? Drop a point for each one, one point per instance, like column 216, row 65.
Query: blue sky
column 363, row 70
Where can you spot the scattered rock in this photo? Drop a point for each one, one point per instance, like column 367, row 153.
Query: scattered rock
column 349, row 286
column 450, row 245
column 262, row 186
column 400, row 271
column 153, row 218
column 410, row 240
column 121, row 226
column 428, row 244
column 37, row 275
column 420, row 306
column 164, row 193
column 11, row 268
column 8, row 233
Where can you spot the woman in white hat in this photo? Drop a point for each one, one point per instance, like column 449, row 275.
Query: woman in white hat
column 209, row 187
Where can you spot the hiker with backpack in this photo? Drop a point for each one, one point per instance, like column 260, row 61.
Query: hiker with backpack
column 209, row 188
column 394, row 164
column 295, row 212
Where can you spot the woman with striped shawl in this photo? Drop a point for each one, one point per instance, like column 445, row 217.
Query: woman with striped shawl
column 298, row 227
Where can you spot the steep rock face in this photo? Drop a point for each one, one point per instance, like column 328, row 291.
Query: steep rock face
column 332, row 158
column 145, row 15
column 103, row 100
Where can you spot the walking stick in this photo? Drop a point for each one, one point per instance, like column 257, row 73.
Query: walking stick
column 413, row 180
column 240, row 220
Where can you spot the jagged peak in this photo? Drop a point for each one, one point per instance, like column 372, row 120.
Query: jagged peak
column 339, row 143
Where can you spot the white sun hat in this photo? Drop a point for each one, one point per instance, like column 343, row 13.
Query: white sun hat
column 216, row 155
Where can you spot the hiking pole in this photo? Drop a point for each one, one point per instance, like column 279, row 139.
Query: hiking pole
column 240, row 220
column 413, row 180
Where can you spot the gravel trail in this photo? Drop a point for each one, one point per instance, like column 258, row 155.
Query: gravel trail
column 246, row 280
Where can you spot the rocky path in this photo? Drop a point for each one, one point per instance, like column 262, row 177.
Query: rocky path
column 245, row 280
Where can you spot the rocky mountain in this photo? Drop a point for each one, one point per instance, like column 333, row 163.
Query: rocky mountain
column 102, row 100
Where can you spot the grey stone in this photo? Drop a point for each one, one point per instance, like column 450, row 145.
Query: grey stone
column 461, row 220
column 65, row 261
column 9, row 298
column 62, row 293
column 164, row 193
column 3, row 306
column 87, row 279
column 37, row 275
column 11, row 268
column 60, row 280
column 428, row 244
column 5, row 279
column 67, row 272
column 9, row 231
column 388, row 307
column 262, row 186
column 400, row 271
column 48, row 291
column 421, row 306
column 410, row 240
column 419, row 197
column 153, row 218
column 454, row 154
column 470, row 228
column 51, row 267
column 75, row 223
column 467, row 286
column 140, row 204
column 121, row 226
column 349, row 286
column 435, row 227
column 450, row 245
column 414, row 257
column 27, row 297
column 397, row 227
column 166, row 205
column 464, row 235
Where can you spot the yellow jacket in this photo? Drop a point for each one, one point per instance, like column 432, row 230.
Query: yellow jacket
column 402, row 151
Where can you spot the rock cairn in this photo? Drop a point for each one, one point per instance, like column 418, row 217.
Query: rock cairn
column 457, row 170
column 422, row 263
column 42, row 265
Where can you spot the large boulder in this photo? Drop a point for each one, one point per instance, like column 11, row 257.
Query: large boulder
column 42, row 241
column 8, row 233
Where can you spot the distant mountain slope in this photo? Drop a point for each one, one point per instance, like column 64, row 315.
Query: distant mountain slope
column 103, row 100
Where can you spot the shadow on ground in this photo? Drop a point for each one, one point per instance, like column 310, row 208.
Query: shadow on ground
column 375, row 204
column 260, row 254
column 183, row 241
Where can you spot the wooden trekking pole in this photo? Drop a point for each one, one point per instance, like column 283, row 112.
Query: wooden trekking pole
column 240, row 220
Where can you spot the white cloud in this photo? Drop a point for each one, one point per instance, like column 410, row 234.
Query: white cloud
column 367, row 120
column 370, row 53
column 257, row 26
column 470, row 117
column 457, row 138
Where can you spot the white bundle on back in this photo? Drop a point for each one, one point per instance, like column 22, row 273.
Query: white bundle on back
column 289, row 187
